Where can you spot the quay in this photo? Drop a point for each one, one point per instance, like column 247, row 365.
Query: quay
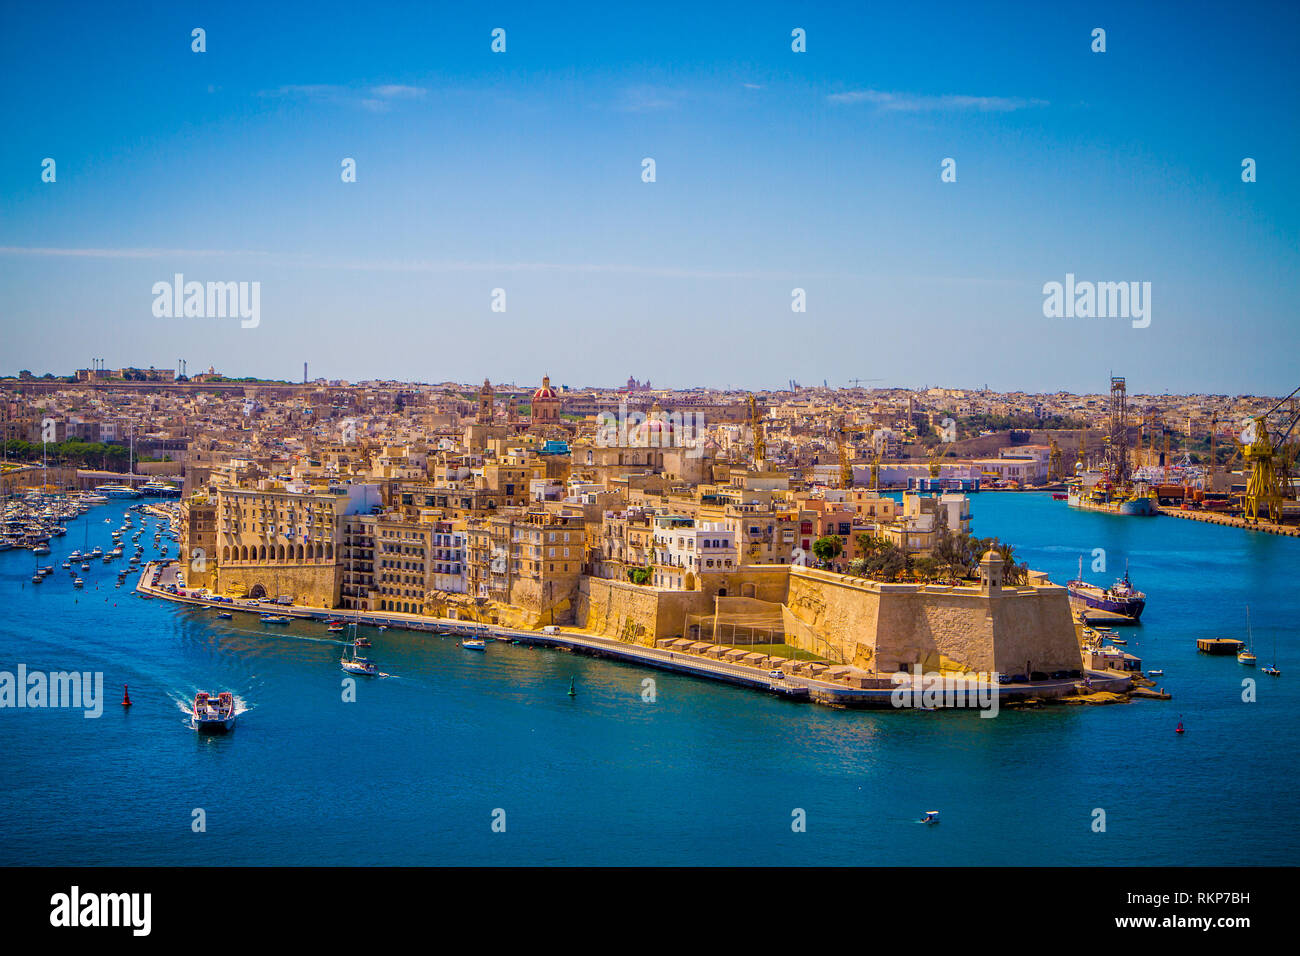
column 1219, row 645
column 1268, row 527
column 1093, row 615
column 873, row 692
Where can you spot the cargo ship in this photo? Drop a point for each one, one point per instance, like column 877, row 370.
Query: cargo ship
column 1120, row 598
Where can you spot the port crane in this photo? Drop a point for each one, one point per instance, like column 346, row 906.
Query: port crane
column 1269, row 450
column 841, row 447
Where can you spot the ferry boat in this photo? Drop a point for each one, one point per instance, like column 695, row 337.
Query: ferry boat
column 1120, row 598
column 213, row 715
column 116, row 491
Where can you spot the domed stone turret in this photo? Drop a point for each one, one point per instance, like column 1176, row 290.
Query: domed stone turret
column 991, row 566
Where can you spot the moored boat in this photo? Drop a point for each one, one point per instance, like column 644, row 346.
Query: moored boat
column 1120, row 598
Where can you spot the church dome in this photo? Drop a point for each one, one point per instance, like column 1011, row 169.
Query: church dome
column 545, row 393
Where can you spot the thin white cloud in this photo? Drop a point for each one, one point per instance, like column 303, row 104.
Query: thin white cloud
column 921, row 103
column 376, row 99
column 398, row 91
column 648, row 98
column 306, row 261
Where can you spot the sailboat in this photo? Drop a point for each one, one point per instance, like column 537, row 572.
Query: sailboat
column 1246, row 657
column 355, row 664
column 1271, row 670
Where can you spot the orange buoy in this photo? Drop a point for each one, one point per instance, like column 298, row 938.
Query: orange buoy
column 126, row 697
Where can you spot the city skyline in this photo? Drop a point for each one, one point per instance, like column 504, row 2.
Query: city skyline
column 774, row 170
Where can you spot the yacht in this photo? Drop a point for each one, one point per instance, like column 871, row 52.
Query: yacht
column 213, row 715
column 116, row 491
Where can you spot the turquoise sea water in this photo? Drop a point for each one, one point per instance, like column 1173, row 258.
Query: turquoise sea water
column 412, row 772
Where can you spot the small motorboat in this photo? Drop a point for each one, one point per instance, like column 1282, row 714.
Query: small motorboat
column 37, row 578
column 361, row 642
column 474, row 644
column 78, row 583
column 213, row 715
column 1156, row 673
column 1271, row 670
column 931, row 817
column 67, row 564
column 225, row 616
column 274, row 619
column 383, row 627
column 1118, row 640
column 85, row 565
column 335, row 627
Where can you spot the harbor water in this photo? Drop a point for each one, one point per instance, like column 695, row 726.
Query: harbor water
column 419, row 768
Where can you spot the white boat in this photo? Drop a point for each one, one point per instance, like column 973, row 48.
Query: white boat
column 1156, row 673
column 116, row 491
column 474, row 644
column 275, row 619
column 213, row 715
column 78, row 583
column 931, row 817
column 1245, row 656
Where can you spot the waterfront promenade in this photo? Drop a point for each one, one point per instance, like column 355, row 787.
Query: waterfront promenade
column 793, row 686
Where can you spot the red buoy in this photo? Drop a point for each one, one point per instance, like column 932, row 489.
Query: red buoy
column 1179, row 728
column 126, row 698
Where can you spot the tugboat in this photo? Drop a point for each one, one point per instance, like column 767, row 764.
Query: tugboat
column 213, row 715
column 1120, row 598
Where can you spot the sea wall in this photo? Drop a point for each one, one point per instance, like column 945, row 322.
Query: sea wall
column 636, row 613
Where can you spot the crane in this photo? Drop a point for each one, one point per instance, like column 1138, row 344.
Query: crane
column 756, row 425
column 846, row 466
column 1269, row 451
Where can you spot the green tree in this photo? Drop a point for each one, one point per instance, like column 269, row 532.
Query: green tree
column 827, row 548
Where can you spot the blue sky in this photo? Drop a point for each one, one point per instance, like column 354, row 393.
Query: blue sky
column 774, row 170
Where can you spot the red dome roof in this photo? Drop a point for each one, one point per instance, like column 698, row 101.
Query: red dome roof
column 545, row 393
